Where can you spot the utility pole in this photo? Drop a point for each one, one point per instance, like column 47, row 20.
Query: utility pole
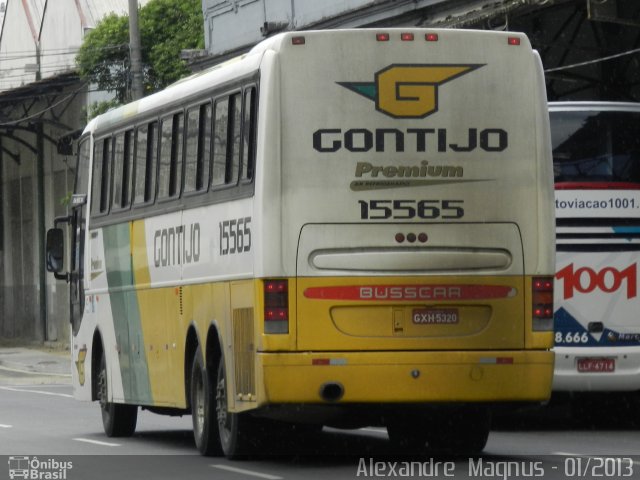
column 134, row 48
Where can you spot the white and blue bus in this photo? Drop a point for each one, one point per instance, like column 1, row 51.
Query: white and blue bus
column 596, row 158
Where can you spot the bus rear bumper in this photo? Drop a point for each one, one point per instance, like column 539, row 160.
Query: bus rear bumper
column 407, row 377
column 624, row 377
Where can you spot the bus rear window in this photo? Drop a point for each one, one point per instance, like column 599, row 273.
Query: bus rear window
column 596, row 147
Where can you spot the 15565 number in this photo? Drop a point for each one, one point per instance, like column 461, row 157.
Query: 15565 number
column 235, row 236
column 408, row 209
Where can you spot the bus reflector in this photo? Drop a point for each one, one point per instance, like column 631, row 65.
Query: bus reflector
column 297, row 40
column 382, row 37
column 406, row 37
column 276, row 306
column 513, row 41
column 542, row 303
column 431, row 37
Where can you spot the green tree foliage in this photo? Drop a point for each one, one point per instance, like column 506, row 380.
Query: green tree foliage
column 166, row 28
column 103, row 58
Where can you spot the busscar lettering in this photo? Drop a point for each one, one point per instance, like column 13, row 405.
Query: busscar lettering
column 178, row 245
column 410, row 293
column 441, row 140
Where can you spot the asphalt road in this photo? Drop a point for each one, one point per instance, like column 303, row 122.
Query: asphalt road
column 42, row 423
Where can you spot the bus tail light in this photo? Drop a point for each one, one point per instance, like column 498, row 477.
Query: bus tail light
column 276, row 306
column 542, row 303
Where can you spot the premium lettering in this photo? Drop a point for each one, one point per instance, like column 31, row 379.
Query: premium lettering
column 366, row 169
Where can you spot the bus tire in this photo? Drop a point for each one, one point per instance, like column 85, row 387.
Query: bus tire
column 407, row 437
column 203, row 411
column 118, row 419
column 461, row 431
column 240, row 435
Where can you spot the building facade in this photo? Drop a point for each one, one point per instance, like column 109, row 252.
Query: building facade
column 42, row 111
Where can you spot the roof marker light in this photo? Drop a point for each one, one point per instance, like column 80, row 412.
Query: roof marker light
column 406, row 37
column 297, row 40
column 431, row 37
column 382, row 37
column 513, row 41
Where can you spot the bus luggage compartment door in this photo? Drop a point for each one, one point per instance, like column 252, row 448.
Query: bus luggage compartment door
column 410, row 287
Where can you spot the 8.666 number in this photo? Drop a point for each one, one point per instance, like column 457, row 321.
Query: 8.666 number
column 408, row 209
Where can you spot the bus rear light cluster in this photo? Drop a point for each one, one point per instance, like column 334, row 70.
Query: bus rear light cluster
column 276, row 306
column 542, row 303
column 406, row 37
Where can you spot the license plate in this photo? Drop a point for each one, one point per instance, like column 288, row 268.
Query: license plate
column 435, row 316
column 604, row 365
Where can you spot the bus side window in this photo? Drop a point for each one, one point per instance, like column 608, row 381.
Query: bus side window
column 249, row 133
column 146, row 143
column 100, row 197
column 233, row 138
column 170, row 172
column 198, row 148
column 122, row 165
column 220, row 136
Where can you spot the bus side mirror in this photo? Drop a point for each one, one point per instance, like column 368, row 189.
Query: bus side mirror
column 55, row 251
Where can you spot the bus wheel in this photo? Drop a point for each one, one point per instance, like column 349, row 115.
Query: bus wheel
column 118, row 420
column 407, row 437
column 461, row 431
column 239, row 432
column 203, row 412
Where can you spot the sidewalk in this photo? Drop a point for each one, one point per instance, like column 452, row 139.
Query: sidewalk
column 34, row 364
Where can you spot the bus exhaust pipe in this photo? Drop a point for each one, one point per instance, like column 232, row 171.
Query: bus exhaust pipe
column 331, row 391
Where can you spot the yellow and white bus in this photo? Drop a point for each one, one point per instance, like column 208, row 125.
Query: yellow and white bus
column 339, row 228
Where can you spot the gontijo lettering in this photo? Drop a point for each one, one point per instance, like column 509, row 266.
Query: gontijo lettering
column 328, row 140
column 176, row 245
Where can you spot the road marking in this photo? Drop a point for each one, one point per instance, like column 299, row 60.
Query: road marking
column 40, row 392
column 97, row 442
column 5, row 426
column 374, row 430
column 42, row 374
column 247, row 472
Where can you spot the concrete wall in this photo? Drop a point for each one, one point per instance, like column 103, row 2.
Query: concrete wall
column 21, row 258
column 38, row 42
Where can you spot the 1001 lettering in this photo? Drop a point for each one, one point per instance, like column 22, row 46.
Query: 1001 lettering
column 409, row 209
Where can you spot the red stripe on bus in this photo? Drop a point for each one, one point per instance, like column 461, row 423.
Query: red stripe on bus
column 597, row 186
column 409, row 292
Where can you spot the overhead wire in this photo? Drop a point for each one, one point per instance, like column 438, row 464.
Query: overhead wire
column 591, row 62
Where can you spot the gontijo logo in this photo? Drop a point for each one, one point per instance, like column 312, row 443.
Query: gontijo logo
column 408, row 91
